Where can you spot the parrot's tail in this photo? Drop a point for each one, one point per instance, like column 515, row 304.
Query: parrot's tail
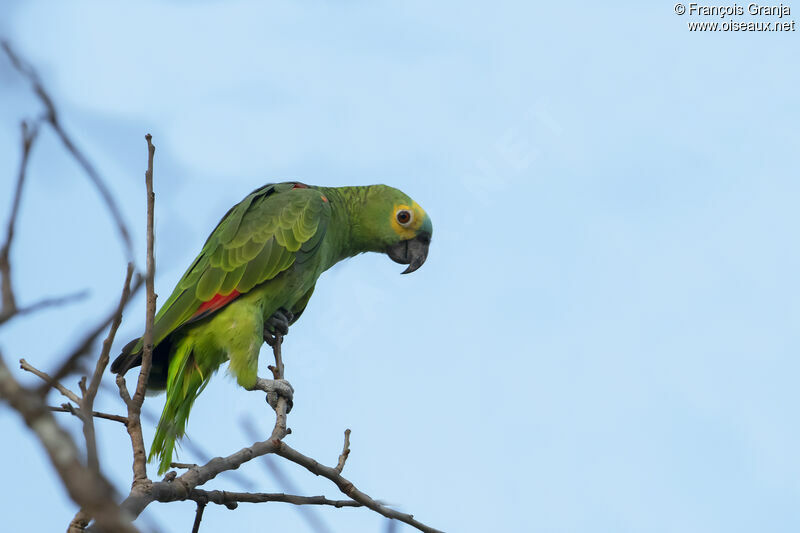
column 131, row 357
column 185, row 381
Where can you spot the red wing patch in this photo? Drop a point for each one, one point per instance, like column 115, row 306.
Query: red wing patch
column 217, row 302
column 300, row 186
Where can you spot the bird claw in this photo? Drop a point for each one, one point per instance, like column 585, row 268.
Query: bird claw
column 277, row 324
column 275, row 389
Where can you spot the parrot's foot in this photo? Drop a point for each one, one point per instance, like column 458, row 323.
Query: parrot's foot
column 276, row 388
column 277, row 324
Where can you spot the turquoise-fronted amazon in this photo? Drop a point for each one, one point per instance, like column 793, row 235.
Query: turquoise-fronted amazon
column 255, row 275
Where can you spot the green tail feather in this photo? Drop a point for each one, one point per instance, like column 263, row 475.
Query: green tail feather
column 185, row 382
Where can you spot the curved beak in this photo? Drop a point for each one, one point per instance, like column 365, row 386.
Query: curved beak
column 412, row 252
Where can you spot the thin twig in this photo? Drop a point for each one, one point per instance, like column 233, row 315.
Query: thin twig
column 315, row 522
column 90, row 392
column 147, row 340
column 71, row 360
column 51, row 116
column 201, row 506
column 9, row 308
column 135, row 403
column 87, row 488
column 123, row 389
column 96, row 414
column 226, row 498
column 345, row 452
column 347, row 487
column 53, row 301
column 24, row 365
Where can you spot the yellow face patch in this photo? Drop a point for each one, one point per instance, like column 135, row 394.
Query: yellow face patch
column 409, row 229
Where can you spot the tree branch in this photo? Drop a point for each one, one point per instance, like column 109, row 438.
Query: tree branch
column 87, row 402
column 135, row 404
column 280, row 430
column 24, row 365
column 68, row 408
column 201, row 506
column 345, row 452
column 182, row 487
column 347, row 487
column 313, row 520
column 9, row 301
column 147, row 349
column 71, row 360
column 143, row 494
column 86, row 487
column 232, row 499
column 51, row 116
column 53, row 301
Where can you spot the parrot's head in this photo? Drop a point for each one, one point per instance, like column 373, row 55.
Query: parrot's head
column 396, row 225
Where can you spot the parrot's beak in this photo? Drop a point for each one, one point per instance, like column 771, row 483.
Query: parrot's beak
column 411, row 252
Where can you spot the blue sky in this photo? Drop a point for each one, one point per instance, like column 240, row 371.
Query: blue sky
column 604, row 336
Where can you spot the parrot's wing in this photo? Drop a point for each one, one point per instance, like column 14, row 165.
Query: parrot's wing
column 256, row 240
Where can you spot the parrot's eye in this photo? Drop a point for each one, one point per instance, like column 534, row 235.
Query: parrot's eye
column 404, row 217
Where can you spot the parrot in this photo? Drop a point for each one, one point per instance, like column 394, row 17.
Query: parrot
column 254, row 277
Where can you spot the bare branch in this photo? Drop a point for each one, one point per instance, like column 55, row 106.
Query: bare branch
column 147, row 349
column 87, row 488
column 134, row 427
column 347, row 487
column 86, row 344
column 68, row 408
column 52, row 118
column 180, row 488
column 123, row 389
column 183, row 486
column 54, row 301
column 315, row 522
column 231, row 499
column 135, row 404
column 90, row 393
column 24, row 365
column 102, row 361
column 201, row 506
column 188, row 444
column 345, row 452
column 9, row 302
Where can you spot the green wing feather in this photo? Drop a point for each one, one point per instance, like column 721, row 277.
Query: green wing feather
column 256, row 240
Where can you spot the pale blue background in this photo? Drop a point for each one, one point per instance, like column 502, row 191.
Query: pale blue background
column 605, row 335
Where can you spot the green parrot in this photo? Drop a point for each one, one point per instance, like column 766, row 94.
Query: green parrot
column 255, row 276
